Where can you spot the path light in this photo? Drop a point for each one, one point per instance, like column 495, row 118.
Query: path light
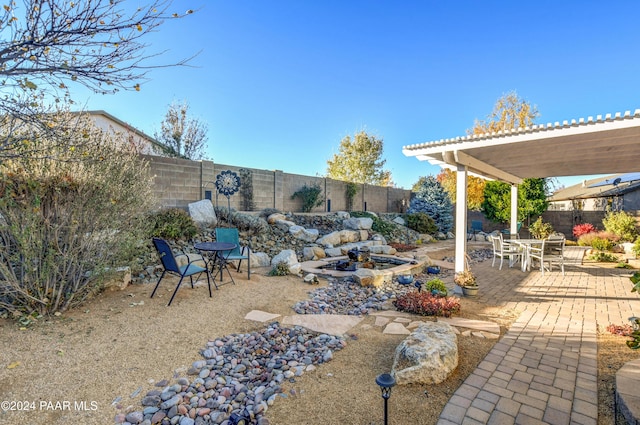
column 385, row 382
column 239, row 418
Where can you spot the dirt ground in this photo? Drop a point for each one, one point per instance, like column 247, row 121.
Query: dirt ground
column 89, row 364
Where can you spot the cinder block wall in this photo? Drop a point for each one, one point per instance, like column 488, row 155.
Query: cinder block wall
column 179, row 182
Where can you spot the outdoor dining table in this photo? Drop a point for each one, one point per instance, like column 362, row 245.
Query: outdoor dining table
column 526, row 245
column 217, row 257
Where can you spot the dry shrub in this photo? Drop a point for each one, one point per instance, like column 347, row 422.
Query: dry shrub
column 69, row 216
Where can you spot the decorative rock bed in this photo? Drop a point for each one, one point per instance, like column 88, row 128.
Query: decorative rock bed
column 239, row 373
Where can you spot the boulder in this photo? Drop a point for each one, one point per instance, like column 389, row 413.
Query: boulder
column 119, row 278
column 343, row 215
column 369, row 277
column 358, row 223
column 288, row 256
column 260, row 259
column 400, row 221
column 348, row 236
column 203, row 214
column 275, row 217
column 306, row 235
column 329, row 240
column 333, row 252
column 184, row 259
column 312, row 253
column 427, row 356
column 383, row 249
column 284, row 225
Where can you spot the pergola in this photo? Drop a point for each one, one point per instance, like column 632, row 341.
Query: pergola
column 601, row 145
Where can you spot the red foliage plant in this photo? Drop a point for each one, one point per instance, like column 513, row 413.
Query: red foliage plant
column 583, row 229
column 425, row 304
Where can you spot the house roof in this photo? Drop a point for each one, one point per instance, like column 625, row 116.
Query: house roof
column 584, row 191
column 600, row 145
column 126, row 125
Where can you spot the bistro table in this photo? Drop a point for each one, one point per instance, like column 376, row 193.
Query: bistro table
column 526, row 245
column 217, row 257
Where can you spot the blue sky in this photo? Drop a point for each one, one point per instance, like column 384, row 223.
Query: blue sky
column 280, row 83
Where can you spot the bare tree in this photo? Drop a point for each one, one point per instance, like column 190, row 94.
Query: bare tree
column 180, row 135
column 49, row 44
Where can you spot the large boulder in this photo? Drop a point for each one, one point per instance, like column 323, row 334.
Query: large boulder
column 306, row 235
column 275, row 217
column 358, row 223
column 427, row 356
column 203, row 214
column 313, row 253
column 260, row 259
column 348, row 236
column 329, row 240
column 369, row 277
column 289, row 257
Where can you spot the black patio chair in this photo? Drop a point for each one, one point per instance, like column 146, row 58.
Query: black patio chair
column 171, row 266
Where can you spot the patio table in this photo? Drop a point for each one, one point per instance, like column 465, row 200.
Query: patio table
column 526, row 245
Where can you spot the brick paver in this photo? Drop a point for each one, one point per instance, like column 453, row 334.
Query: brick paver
column 544, row 369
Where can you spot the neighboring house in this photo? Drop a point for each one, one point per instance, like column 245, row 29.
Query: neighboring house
column 619, row 192
column 107, row 122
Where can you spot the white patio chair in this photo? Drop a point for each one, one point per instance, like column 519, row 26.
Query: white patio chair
column 504, row 250
column 551, row 251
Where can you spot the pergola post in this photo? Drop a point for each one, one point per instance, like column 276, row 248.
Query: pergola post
column 461, row 217
column 513, row 228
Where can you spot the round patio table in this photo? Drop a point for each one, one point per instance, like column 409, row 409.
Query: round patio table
column 217, row 258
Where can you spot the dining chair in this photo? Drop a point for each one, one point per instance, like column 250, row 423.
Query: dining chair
column 170, row 265
column 502, row 250
column 551, row 251
column 239, row 253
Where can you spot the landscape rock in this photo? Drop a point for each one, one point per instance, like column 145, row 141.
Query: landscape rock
column 343, row 215
column 427, row 356
column 284, row 225
column 202, row 213
column 330, row 240
column 400, row 221
column 260, row 259
column 313, row 253
column 348, row 236
column 289, row 257
column 275, row 217
column 369, row 277
column 358, row 223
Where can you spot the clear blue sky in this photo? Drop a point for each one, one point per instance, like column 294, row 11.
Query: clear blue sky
column 280, row 83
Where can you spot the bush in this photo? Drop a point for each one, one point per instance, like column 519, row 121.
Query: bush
column 435, row 284
column 621, row 224
column 583, row 229
column 68, row 216
column 425, row 304
column 601, row 244
column 280, row 269
column 379, row 225
column 311, row 197
column 172, row 223
column 422, row 223
column 636, row 247
column 604, row 257
column 540, row 229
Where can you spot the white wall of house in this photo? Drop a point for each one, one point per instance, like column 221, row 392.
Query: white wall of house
column 110, row 124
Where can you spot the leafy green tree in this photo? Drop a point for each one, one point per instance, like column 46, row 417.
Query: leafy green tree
column 431, row 198
column 532, row 200
column 48, row 46
column 181, row 136
column 359, row 161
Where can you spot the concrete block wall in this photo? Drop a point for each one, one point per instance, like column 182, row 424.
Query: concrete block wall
column 179, row 182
